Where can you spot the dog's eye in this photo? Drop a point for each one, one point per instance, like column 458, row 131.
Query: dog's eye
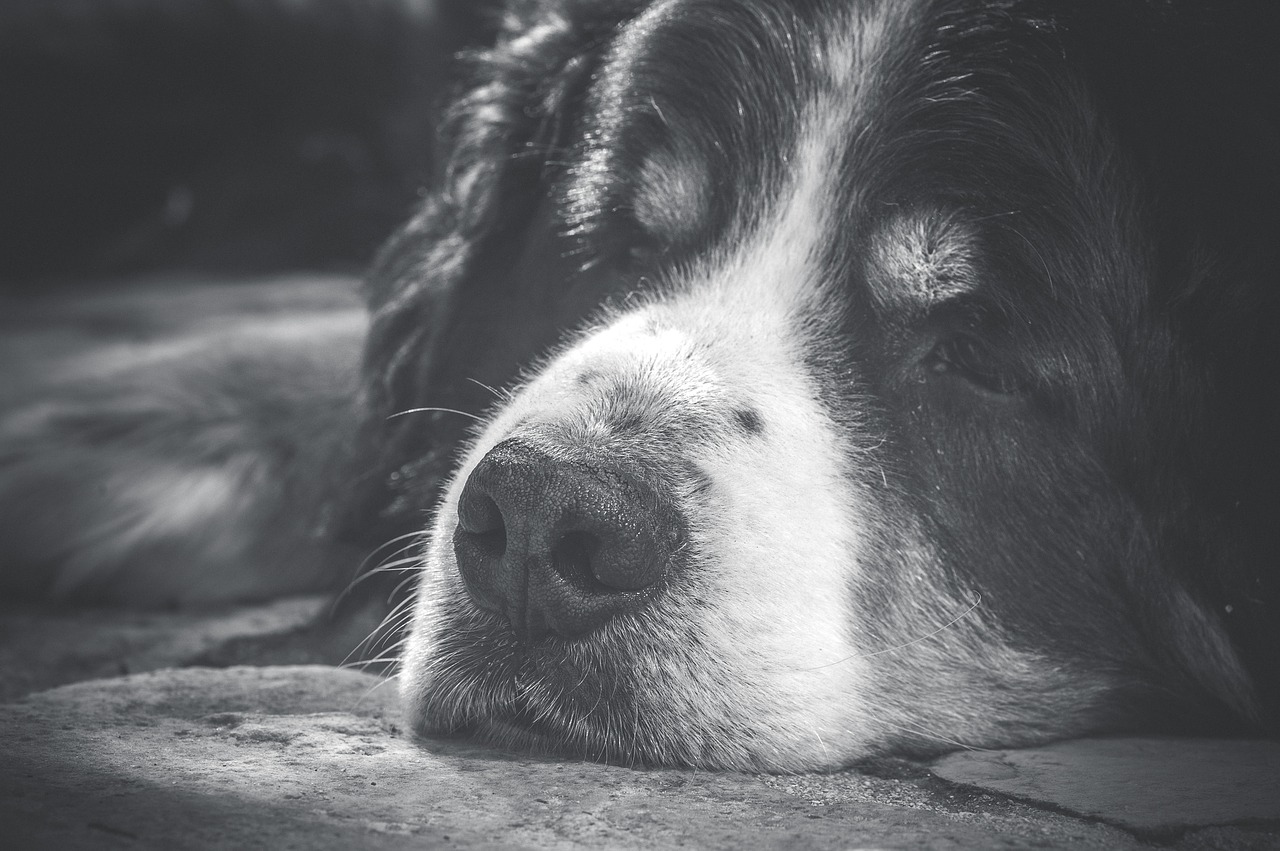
column 627, row 256
column 964, row 356
column 641, row 254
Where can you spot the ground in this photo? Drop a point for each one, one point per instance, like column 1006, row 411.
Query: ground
column 150, row 747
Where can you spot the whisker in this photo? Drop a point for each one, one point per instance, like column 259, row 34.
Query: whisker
column 486, row 387
column 416, row 533
column 400, row 565
column 373, row 643
column 393, row 625
column 438, row 410
column 400, row 586
column 1035, row 250
column 369, row 692
column 996, row 215
column 365, row 663
column 394, row 562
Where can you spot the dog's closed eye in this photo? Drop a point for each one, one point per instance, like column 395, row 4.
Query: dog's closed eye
column 965, row 356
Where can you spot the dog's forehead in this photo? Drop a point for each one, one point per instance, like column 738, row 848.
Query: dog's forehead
column 704, row 112
column 936, row 149
column 696, row 112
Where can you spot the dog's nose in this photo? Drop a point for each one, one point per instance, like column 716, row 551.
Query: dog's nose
column 558, row 545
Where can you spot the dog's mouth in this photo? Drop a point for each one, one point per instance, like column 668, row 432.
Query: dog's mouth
column 524, row 731
column 536, row 700
column 521, row 731
column 553, row 571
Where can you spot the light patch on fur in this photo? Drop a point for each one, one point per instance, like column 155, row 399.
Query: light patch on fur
column 920, row 259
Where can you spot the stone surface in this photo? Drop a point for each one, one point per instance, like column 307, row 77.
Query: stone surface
column 314, row 757
column 1150, row 785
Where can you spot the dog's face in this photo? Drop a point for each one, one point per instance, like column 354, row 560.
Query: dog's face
column 868, row 446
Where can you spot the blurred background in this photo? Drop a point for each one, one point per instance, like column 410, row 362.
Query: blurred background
column 241, row 136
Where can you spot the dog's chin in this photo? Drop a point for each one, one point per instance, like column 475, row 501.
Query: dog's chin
column 519, row 732
column 523, row 732
column 518, row 726
column 547, row 697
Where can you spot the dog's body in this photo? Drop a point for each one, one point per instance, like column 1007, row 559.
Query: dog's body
column 918, row 390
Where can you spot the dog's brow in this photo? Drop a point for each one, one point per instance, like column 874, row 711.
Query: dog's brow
column 667, row 153
column 919, row 259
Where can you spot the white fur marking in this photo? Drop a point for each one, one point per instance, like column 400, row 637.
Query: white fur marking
column 921, row 259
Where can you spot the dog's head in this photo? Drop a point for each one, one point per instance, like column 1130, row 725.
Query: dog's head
column 900, row 404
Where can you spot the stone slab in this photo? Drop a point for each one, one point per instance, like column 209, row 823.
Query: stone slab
column 1147, row 785
column 315, row 757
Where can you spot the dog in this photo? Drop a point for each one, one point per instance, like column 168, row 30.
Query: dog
column 770, row 385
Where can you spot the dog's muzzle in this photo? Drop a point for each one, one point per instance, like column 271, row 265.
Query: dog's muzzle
column 560, row 544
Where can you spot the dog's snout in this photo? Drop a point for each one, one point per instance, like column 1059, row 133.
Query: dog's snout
column 559, row 545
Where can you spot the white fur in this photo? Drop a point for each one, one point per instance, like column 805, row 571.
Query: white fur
column 920, row 259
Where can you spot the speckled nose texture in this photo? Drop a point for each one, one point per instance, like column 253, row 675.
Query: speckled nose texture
column 561, row 545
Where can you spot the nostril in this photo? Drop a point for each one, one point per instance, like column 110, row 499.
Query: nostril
column 573, row 556
column 613, row 555
column 480, row 523
column 477, row 512
column 480, row 543
column 482, row 546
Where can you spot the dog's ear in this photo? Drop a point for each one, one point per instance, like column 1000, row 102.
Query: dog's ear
column 477, row 283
